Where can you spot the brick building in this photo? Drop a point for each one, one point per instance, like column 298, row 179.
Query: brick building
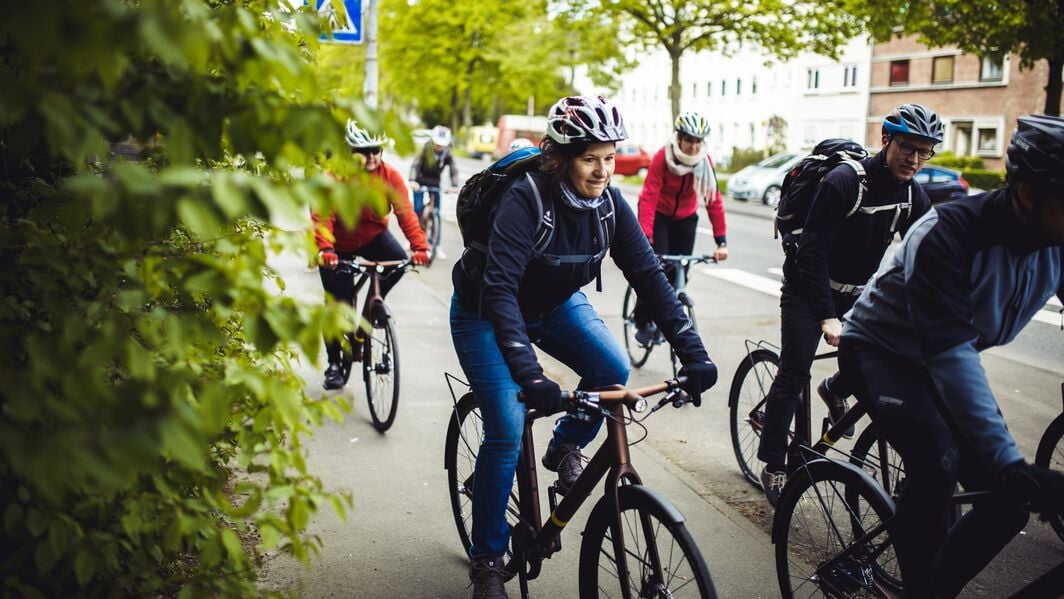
column 978, row 97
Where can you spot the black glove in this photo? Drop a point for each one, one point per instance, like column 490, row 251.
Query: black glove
column 1043, row 487
column 700, row 376
column 544, row 395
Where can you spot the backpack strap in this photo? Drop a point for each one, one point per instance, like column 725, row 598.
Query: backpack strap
column 545, row 230
column 862, row 183
column 906, row 206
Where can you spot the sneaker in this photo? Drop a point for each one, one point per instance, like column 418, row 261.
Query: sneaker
column 836, row 406
column 772, row 482
column 645, row 335
column 566, row 460
column 334, row 376
column 487, row 575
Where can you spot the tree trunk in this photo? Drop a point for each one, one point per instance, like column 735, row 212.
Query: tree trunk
column 467, row 100
column 1053, row 86
column 454, row 108
column 674, row 85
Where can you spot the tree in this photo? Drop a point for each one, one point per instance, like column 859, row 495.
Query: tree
column 783, row 28
column 145, row 149
column 1031, row 28
column 777, row 134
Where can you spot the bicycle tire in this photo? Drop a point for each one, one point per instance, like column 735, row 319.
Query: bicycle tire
column 380, row 370
column 1051, row 455
column 746, row 400
column 637, row 352
column 644, row 516
column 815, row 522
column 865, row 454
column 432, row 233
column 465, row 431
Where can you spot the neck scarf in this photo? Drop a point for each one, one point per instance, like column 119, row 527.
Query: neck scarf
column 681, row 164
column 578, row 202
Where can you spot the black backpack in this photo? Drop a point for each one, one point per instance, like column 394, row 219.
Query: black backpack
column 800, row 184
column 480, row 193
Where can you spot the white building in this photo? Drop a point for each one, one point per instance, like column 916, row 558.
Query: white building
column 816, row 96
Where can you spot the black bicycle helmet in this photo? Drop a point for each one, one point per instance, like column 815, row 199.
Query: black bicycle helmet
column 914, row 120
column 1036, row 152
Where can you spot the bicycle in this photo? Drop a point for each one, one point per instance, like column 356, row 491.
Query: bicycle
column 430, row 218
column 638, row 352
column 378, row 351
column 634, row 538
column 831, row 532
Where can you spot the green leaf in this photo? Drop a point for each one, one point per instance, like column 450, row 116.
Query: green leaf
column 183, row 445
column 270, row 536
column 84, row 566
column 199, row 217
column 232, row 545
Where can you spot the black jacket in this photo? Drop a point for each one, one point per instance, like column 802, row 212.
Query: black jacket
column 509, row 286
column 849, row 250
column 430, row 174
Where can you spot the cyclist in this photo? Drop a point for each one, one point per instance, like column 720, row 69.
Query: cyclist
column 427, row 170
column 506, row 300
column 835, row 257
column 368, row 238
column 970, row 275
column 680, row 174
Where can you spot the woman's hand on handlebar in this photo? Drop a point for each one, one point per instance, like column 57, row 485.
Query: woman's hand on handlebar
column 700, row 376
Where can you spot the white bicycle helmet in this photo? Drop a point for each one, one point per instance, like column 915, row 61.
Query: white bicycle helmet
column 357, row 137
column 440, row 135
column 585, row 119
column 520, row 143
column 692, row 124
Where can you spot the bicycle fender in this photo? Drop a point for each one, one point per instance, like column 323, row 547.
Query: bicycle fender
column 642, row 497
column 824, row 469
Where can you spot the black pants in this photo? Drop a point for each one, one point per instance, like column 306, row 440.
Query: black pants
column 935, row 559
column 799, row 338
column 342, row 286
column 676, row 237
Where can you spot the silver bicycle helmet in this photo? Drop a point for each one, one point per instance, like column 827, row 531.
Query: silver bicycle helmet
column 520, row 143
column 914, row 119
column 357, row 137
column 692, row 124
column 440, row 135
column 585, row 119
column 1036, row 152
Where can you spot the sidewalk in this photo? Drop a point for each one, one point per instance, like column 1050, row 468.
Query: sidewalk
column 399, row 539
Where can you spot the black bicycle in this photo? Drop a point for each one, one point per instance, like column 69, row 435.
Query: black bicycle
column 430, row 219
column 639, row 352
column 373, row 341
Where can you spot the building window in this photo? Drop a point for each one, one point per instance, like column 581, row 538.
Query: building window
column 987, row 140
column 709, row 88
column 738, row 87
column 899, row 72
column 753, row 85
column 812, row 79
column 992, row 68
column 942, row 69
column 849, row 76
column 694, row 90
column 723, row 87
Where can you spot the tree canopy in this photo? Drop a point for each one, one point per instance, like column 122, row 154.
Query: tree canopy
column 147, row 149
column 1031, row 28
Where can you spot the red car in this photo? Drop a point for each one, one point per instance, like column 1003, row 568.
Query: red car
column 631, row 160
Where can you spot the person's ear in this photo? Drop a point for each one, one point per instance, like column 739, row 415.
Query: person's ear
column 1025, row 196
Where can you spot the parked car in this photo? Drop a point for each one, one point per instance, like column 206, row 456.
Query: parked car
column 942, row 184
column 764, row 179
column 631, row 160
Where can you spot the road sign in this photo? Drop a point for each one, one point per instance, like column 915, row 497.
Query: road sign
column 343, row 17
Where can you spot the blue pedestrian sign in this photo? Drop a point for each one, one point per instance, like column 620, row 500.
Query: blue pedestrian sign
column 343, row 18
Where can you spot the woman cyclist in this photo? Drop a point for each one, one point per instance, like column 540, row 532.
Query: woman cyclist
column 506, row 300
column 427, row 170
column 680, row 174
column 368, row 238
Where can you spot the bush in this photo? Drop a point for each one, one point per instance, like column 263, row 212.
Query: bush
column 984, row 179
column 951, row 160
column 743, row 157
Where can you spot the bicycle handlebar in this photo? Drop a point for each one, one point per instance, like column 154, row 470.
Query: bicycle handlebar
column 634, row 399
column 681, row 258
column 363, row 265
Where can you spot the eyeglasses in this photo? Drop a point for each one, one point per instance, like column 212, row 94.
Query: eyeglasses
column 909, row 150
column 690, row 139
column 369, row 151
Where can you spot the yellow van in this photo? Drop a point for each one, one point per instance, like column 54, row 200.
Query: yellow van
column 480, row 140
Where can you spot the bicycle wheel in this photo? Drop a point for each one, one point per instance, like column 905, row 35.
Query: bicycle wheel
column 465, row 431
column 380, row 369
column 815, row 523
column 1051, row 455
column 746, row 403
column 889, row 472
column 637, row 352
column 658, row 558
column 432, row 232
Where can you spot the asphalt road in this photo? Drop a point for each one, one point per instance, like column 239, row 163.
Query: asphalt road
column 399, row 539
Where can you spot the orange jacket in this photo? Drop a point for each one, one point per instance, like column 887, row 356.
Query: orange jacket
column 370, row 223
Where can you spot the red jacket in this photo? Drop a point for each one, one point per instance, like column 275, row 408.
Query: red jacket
column 370, row 223
column 674, row 196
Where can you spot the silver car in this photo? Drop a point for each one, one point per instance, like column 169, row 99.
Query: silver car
column 764, row 179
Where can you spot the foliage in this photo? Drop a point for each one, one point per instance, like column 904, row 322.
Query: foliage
column 783, row 28
column 1031, row 28
column 984, row 179
column 744, row 157
column 951, row 160
column 777, row 134
column 149, row 347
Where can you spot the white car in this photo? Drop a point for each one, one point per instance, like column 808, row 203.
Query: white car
column 764, row 179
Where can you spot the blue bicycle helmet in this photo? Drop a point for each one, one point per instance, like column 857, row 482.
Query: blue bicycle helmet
column 914, row 119
column 1036, row 152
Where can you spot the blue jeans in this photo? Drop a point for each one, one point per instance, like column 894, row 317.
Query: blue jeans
column 574, row 334
column 419, row 199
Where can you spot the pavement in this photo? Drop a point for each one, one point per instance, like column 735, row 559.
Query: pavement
column 399, row 538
